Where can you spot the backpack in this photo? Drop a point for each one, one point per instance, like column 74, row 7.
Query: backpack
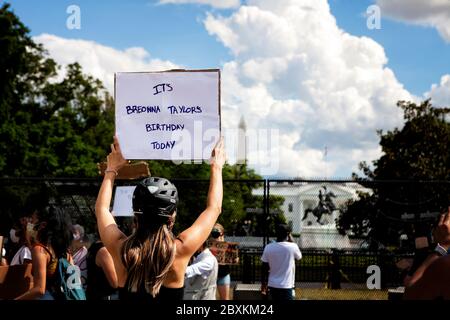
column 68, row 281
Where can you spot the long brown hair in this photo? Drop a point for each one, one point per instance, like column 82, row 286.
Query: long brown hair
column 148, row 255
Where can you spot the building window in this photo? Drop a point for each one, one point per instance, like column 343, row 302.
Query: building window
column 290, row 207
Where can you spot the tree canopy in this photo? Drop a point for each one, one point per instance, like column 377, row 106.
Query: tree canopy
column 48, row 127
column 411, row 177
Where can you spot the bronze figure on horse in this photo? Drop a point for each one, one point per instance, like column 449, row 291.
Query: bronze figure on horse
column 325, row 206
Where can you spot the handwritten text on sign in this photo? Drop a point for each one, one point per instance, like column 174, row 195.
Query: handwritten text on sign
column 225, row 252
column 167, row 115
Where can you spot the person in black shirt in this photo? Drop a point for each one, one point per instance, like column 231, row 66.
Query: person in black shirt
column 102, row 277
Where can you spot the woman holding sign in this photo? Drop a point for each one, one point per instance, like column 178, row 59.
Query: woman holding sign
column 151, row 263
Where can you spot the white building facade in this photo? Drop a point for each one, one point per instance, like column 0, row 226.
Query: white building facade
column 300, row 201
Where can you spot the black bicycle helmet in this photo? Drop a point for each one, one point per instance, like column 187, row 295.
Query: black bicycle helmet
column 155, row 196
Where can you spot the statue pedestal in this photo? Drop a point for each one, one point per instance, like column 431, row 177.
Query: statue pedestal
column 323, row 237
column 314, row 235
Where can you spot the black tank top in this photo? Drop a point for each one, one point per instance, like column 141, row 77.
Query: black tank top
column 98, row 287
column 224, row 270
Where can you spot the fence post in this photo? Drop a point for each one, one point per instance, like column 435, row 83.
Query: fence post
column 266, row 212
column 246, row 268
column 334, row 272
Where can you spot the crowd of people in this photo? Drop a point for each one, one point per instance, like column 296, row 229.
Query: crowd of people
column 152, row 263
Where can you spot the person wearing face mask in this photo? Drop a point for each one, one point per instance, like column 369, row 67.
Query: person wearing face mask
column 51, row 236
column 223, row 277
column 80, row 251
column 24, row 235
column 14, row 238
column 23, row 255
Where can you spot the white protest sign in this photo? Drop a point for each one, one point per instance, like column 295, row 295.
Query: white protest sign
column 123, row 201
column 172, row 115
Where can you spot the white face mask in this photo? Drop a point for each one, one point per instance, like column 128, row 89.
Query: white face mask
column 13, row 237
column 31, row 232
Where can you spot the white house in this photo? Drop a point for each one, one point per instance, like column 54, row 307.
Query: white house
column 300, row 197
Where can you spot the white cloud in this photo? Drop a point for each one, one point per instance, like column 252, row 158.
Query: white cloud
column 219, row 4
column 433, row 13
column 98, row 60
column 440, row 93
column 295, row 70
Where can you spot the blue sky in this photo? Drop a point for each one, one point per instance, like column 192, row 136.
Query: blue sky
column 285, row 64
column 173, row 32
column 418, row 55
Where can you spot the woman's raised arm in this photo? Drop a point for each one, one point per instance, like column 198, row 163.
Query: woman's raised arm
column 198, row 233
column 109, row 232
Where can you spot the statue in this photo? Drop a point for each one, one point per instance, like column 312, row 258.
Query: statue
column 328, row 201
column 325, row 206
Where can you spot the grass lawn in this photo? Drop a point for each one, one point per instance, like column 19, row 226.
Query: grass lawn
column 320, row 293
column 341, row 294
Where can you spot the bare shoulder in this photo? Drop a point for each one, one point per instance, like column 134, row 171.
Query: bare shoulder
column 103, row 251
column 39, row 250
column 39, row 253
column 103, row 256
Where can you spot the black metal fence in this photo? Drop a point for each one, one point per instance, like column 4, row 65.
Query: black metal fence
column 332, row 269
column 252, row 208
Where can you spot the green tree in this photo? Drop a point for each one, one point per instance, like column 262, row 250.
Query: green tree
column 47, row 127
column 24, row 71
column 412, row 176
column 78, row 128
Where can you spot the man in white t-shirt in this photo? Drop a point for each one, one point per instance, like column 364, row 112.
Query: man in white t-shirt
column 279, row 265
